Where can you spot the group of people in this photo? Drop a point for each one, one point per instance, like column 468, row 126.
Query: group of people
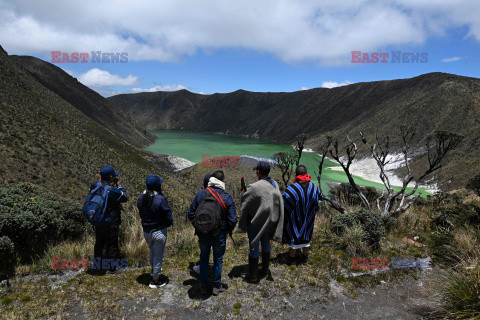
column 266, row 215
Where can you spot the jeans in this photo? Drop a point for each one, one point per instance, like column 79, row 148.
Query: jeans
column 218, row 244
column 264, row 240
column 156, row 240
column 106, row 237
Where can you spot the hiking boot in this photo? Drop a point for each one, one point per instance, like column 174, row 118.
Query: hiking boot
column 203, row 291
column 291, row 261
column 303, row 259
column 265, row 265
column 252, row 274
column 161, row 281
column 219, row 289
column 113, row 271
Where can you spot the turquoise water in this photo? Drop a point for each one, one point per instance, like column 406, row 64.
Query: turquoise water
column 191, row 146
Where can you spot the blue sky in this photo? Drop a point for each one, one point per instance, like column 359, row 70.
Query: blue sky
column 223, row 46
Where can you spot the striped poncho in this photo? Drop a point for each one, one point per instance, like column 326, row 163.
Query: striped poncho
column 300, row 208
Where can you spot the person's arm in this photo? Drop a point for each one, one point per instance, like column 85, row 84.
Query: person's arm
column 193, row 207
column 166, row 212
column 118, row 194
column 245, row 208
column 231, row 213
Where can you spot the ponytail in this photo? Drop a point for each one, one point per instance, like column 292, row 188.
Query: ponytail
column 149, row 195
column 148, row 198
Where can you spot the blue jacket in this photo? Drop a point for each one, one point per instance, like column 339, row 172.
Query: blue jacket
column 156, row 217
column 116, row 196
column 231, row 217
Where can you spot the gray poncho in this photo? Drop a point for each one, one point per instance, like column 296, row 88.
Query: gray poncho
column 262, row 205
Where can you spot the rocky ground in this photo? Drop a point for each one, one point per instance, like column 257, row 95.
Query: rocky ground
column 296, row 292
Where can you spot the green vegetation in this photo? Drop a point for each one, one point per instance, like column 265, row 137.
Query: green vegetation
column 7, row 257
column 362, row 225
column 32, row 217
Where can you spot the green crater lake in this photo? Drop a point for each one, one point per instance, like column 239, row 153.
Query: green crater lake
column 191, row 146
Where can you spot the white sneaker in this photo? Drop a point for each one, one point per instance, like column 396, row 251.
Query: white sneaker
column 162, row 280
column 196, row 269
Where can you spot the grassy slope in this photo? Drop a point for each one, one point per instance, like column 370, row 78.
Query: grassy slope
column 47, row 141
column 89, row 102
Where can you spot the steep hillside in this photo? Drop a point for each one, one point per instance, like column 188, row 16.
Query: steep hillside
column 93, row 105
column 434, row 101
column 48, row 141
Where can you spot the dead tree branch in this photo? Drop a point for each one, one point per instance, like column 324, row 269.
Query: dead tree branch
column 351, row 151
column 325, row 148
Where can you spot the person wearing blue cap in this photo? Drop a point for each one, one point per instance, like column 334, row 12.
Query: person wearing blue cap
column 262, row 219
column 156, row 217
column 106, row 236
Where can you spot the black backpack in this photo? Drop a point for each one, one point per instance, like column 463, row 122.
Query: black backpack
column 208, row 217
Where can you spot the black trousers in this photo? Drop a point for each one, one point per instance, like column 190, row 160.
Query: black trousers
column 106, row 238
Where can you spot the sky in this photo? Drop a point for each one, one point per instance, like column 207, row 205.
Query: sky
column 264, row 46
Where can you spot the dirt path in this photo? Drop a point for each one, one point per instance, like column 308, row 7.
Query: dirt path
column 409, row 299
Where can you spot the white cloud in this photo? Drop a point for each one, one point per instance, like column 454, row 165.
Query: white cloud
column 100, row 78
column 333, row 84
column 304, row 88
column 168, row 87
column 451, row 59
column 321, row 31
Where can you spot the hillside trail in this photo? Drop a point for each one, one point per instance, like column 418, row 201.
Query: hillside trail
column 179, row 299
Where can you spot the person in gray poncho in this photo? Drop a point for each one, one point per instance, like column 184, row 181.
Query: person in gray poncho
column 262, row 219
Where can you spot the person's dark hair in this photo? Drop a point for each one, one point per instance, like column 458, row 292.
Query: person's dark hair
column 219, row 175
column 264, row 172
column 205, row 180
column 301, row 169
column 149, row 195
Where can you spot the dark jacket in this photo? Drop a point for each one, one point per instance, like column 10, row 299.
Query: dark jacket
column 230, row 219
column 116, row 196
column 156, row 217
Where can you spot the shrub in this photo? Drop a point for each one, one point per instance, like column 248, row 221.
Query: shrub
column 374, row 225
column 474, row 184
column 7, row 257
column 461, row 214
column 344, row 192
column 32, row 217
column 461, row 292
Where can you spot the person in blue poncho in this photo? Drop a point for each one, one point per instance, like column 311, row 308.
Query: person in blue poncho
column 301, row 205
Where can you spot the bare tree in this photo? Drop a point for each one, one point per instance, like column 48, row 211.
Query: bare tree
column 351, row 152
column 286, row 160
column 437, row 145
column 301, row 138
column 325, row 148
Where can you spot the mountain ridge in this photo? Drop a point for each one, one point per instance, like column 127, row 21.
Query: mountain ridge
column 47, row 141
column 89, row 102
column 429, row 102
